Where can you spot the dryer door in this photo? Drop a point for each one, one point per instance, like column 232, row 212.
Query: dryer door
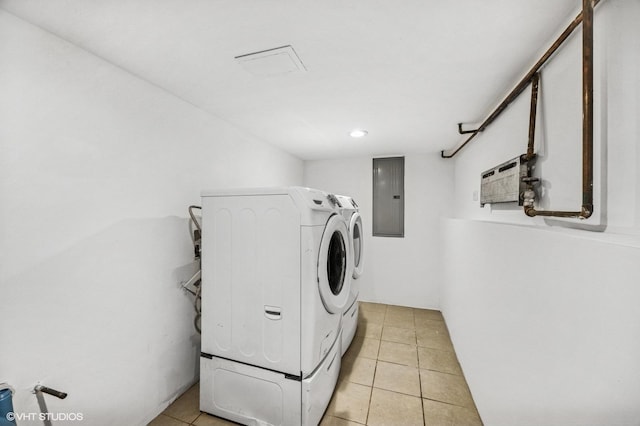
column 357, row 237
column 334, row 264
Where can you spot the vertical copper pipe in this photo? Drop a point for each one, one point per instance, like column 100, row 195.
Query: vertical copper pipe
column 587, row 123
column 532, row 115
column 587, row 108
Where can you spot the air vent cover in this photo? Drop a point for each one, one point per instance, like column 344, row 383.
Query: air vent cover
column 503, row 183
column 280, row 60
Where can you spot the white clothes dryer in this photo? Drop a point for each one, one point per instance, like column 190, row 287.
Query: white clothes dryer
column 350, row 211
column 276, row 277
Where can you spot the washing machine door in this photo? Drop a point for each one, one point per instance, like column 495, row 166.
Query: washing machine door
column 357, row 238
column 334, row 264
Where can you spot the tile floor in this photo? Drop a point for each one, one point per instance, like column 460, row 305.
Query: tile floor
column 401, row 369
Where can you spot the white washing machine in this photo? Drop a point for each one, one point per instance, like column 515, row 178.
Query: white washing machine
column 276, row 279
column 350, row 211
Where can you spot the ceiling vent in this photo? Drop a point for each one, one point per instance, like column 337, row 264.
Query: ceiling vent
column 281, row 60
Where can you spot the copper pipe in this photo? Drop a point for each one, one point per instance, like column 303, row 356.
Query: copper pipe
column 463, row 132
column 587, row 122
column 532, row 116
column 587, row 108
column 532, row 212
column 525, row 80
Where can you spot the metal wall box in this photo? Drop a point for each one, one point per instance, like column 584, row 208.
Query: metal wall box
column 388, row 197
column 503, row 183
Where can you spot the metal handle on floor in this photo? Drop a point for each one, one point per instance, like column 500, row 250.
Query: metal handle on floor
column 56, row 393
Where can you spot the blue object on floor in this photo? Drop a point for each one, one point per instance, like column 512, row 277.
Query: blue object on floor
column 6, row 408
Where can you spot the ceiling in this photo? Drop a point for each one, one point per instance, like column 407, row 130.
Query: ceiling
column 406, row 71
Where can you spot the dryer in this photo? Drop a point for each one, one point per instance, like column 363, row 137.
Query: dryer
column 350, row 211
column 276, row 277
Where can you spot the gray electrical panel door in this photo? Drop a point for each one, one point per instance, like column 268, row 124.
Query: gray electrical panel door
column 388, row 197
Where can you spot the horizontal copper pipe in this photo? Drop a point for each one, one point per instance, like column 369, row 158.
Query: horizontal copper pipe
column 582, row 214
column 523, row 83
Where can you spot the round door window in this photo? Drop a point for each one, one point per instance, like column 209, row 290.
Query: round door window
column 358, row 242
column 335, row 263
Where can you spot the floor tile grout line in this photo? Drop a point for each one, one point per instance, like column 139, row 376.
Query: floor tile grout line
column 424, row 420
column 400, row 393
column 375, row 369
column 451, row 404
column 180, row 420
column 444, row 372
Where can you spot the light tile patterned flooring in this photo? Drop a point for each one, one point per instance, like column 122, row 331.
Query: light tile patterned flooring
column 401, row 369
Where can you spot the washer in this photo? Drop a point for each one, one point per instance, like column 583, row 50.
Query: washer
column 276, row 277
column 350, row 211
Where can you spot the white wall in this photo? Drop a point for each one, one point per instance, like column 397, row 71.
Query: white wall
column 97, row 168
column 399, row 271
column 544, row 317
column 545, row 324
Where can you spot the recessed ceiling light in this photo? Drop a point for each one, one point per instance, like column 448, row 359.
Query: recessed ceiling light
column 358, row 133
